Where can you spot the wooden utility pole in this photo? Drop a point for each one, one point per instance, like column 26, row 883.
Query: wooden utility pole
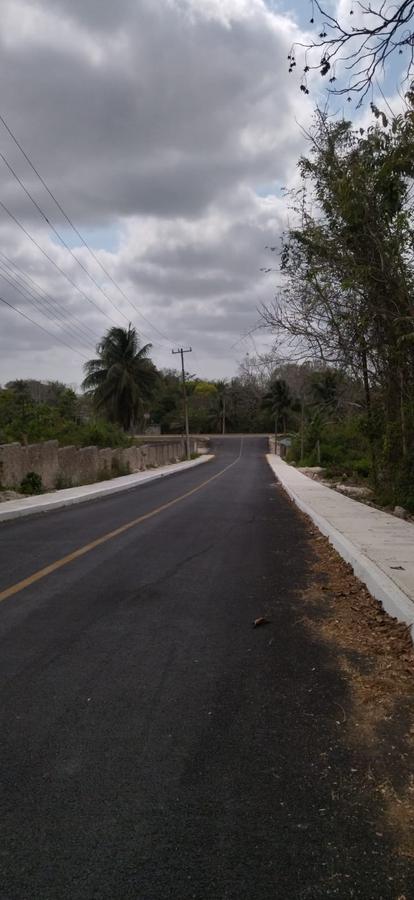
column 318, row 452
column 302, row 428
column 181, row 350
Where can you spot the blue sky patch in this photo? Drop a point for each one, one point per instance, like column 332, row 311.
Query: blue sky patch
column 107, row 238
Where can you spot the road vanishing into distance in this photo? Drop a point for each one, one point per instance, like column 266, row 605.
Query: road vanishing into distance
column 153, row 744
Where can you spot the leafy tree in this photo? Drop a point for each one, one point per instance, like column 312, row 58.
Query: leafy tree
column 208, row 404
column 327, row 387
column 38, row 421
column 220, row 405
column 350, row 273
column 244, row 406
column 167, row 403
column 20, row 388
column 202, row 395
column 123, row 378
column 279, row 401
column 204, row 389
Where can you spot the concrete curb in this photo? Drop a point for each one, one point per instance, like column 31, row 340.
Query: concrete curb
column 69, row 497
column 393, row 599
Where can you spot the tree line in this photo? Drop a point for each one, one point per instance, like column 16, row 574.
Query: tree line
column 314, row 405
column 347, row 299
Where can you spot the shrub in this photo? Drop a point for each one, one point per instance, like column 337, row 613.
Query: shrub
column 63, row 481
column 104, row 475
column 362, row 466
column 404, row 488
column 31, row 484
column 343, row 448
column 118, row 469
column 103, row 434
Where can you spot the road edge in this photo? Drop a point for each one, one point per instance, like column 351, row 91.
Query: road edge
column 65, row 498
column 394, row 600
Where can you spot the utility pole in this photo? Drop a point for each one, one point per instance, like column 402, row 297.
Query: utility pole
column 181, row 350
column 318, row 452
column 302, row 428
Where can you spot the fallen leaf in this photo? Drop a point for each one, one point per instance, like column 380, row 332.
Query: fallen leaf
column 260, row 621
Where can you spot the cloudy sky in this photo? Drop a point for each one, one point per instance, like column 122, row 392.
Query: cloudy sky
column 166, row 130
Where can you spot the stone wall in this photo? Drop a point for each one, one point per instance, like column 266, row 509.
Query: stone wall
column 66, row 466
column 17, row 460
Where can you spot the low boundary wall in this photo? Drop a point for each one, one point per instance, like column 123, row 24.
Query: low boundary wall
column 63, row 467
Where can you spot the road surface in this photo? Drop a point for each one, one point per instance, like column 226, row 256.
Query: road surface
column 154, row 745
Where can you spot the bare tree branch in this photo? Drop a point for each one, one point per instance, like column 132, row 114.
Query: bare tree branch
column 362, row 50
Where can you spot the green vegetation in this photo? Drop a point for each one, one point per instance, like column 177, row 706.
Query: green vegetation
column 348, row 297
column 122, row 378
column 345, row 313
column 31, row 484
column 31, row 412
column 117, row 469
column 64, row 481
column 279, row 401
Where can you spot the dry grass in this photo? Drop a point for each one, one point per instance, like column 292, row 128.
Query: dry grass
column 376, row 657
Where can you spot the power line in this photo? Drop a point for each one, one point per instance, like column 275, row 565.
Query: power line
column 38, row 325
column 83, row 241
column 52, row 261
column 82, row 326
column 65, row 244
column 245, row 336
column 21, row 277
column 62, row 239
column 76, row 230
column 50, row 333
column 196, row 359
column 37, row 303
column 181, row 351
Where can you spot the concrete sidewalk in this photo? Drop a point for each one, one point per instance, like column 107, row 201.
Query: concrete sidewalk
column 15, row 509
column 379, row 547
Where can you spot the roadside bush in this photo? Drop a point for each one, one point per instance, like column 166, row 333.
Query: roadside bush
column 31, row 484
column 63, row 481
column 103, row 434
column 31, row 422
column 118, row 469
column 362, row 467
column 103, row 475
column 343, row 448
column 404, row 490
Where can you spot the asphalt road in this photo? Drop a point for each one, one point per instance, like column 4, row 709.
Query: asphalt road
column 153, row 744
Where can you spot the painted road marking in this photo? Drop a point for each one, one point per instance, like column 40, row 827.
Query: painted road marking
column 82, row 551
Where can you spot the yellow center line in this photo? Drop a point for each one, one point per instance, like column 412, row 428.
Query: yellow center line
column 81, row 551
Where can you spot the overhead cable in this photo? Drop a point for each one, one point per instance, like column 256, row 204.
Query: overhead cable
column 56, row 266
column 48, row 313
column 78, row 233
column 32, row 286
column 50, row 333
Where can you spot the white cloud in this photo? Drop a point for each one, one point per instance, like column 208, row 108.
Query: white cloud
column 157, row 123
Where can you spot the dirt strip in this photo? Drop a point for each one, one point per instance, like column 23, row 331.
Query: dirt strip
column 376, row 657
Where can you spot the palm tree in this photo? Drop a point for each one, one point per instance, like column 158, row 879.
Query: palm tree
column 122, row 378
column 279, row 400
